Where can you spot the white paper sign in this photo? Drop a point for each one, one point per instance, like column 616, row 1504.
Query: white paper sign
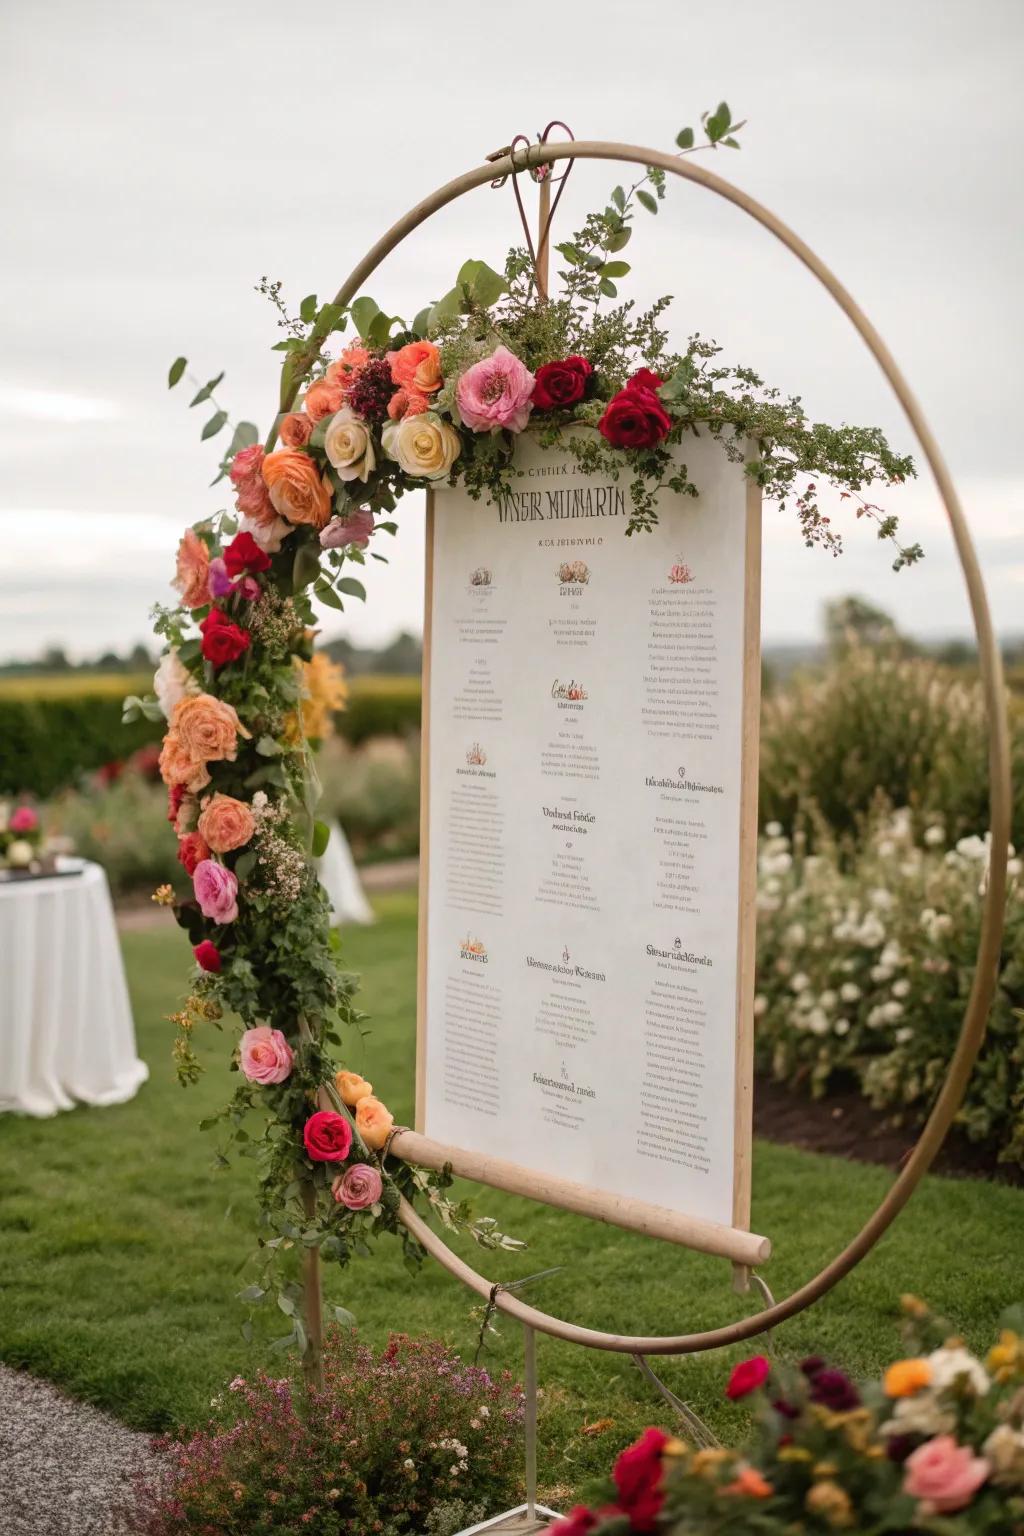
column 583, row 890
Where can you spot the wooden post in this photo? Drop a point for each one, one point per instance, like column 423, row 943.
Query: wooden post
column 543, row 214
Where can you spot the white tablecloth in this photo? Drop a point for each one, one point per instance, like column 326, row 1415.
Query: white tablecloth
column 66, row 1028
column 340, row 879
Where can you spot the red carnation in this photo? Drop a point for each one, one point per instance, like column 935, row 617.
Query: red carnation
column 192, row 849
column 328, row 1137
column 637, row 1476
column 243, row 555
column 207, row 956
column 747, row 1376
column 645, row 379
column 634, row 418
column 223, row 641
column 561, row 384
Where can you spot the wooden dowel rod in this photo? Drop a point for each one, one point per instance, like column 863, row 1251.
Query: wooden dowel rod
column 634, row 1215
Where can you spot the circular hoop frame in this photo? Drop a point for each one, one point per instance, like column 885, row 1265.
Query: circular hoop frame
column 983, row 986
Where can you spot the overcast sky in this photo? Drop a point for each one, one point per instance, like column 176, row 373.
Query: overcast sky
column 157, row 159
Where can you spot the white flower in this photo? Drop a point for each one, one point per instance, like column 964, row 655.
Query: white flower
column 958, row 1366
column 935, row 835
column 484, row 1411
column 901, row 988
column 904, row 1034
column 760, row 1005
column 800, row 982
column 973, row 847
column 891, row 1012
column 891, row 954
column 886, row 848
column 882, row 899
column 269, row 536
column 172, row 681
column 796, row 934
column 349, row 446
column 1014, row 868
column 841, row 1027
column 817, row 1021
column 828, row 999
column 871, row 933
column 424, row 446
column 881, row 972
column 408, row 1464
column 920, row 1415
column 849, row 991
column 773, row 829
column 1004, row 1448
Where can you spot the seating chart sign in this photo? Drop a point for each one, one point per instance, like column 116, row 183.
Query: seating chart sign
column 590, row 757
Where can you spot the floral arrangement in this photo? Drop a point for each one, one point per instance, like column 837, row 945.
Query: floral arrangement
column 857, row 949
column 936, row 1446
column 21, row 836
column 407, row 1439
column 400, row 407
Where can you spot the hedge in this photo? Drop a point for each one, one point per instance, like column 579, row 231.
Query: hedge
column 55, row 729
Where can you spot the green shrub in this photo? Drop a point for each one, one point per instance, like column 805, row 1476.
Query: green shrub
column 864, row 965
column 876, row 722
column 374, row 791
column 124, row 827
column 55, row 729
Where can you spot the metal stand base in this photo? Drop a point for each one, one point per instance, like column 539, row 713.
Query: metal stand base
column 519, row 1521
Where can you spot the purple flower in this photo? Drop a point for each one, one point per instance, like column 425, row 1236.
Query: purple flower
column 218, row 580
column 832, row 1389
column 216, row 891
column 354, row 529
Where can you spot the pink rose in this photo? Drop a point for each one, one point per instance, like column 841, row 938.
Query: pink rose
column 943, row 1475
column 216, row 891
column 354, row 529
column 23, row 819
column 358, row 1187
column 495, row 393
column 266, row 1056
column 246, row 464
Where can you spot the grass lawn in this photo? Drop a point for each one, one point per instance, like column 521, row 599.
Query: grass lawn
column 120, row 1247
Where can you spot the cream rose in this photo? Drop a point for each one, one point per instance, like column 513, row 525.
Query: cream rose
column 349, row 446
column 172, row 681
column 423, row 445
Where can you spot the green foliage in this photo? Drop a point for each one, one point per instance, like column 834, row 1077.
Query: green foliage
column 864, row 964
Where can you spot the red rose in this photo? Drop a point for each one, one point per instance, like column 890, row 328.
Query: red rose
column 578, row 1522
column 222, row 640
column 637, row 1476
column 192, row 850
column 634, row 418
column 243, row 555
column 207, row 956
column 328, row 1137
column 645, row 379
column 747, row 1376
column 175, row 795
column 560, row 384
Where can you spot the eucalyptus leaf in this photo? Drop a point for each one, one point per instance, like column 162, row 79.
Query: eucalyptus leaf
column 206, row 391
column 619, row 198
column 214, row 425
column 307, row 309
column 421, row 322
column 646, row 201
column 321, row 837
column 307, row 565
column 684, row 138
column 352, row 588
column 623, row 237
column 177, row 368
column 325, row 593
column 615, row 269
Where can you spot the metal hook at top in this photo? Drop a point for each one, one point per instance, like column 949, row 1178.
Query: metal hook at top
column 540, row 173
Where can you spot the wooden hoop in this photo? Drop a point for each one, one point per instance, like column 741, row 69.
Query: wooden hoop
column 972, row 1030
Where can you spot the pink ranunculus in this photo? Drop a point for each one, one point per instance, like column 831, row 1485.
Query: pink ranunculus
column 495, row 392
column 216, row 891
column 358, row 1187
column 944, row 1476
column 23, row 819
column 354, row 529
column 266, row 1056
column 246, row 464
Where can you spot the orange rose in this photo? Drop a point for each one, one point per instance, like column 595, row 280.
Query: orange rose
column 178, row 767
column 373, row 1122
column 193, row 569
column 749, row 1484
column 296, row 488
column 348, row 366
column 352, row 1088
column 226, row 823
column 296, row 430
column 206, row 729
column 417, row 367
column 906, row 1377
column 323, row 398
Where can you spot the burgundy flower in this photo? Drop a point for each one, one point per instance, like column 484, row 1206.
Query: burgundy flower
column 812, row 1365
column 634, row 418
column 223, row 641
column 561, row 384
column 637, row 1475
column 832, row 1389
column 747, row 1377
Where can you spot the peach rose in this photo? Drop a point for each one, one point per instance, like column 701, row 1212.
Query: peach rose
column 297, row 490
column 349, row 446
column 406, row 402
column 417, row 367
column 373, row 1122
column 206, row 729
column 296, row 430
column 178, row 767
column 348, row 366
column 352, row 1088
column 226, row 823
column 193, row 566
column 322, row 399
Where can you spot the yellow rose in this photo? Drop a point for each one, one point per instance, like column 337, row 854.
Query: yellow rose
column 423, row 446
column 352, row 1088
column 373, row 1122
column 349, row 446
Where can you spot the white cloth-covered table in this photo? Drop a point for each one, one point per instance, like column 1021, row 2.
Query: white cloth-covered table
column 340, row 879
column 66, row 1028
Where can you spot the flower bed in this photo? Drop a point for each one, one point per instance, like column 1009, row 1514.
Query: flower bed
column 936, row 1446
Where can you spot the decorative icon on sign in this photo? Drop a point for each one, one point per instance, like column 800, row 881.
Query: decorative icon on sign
column 680, row 574
column 481, row 577
column 565, row 955
column 570, row 690
column 474, row 947
column 574, row 572
column 476, row 756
